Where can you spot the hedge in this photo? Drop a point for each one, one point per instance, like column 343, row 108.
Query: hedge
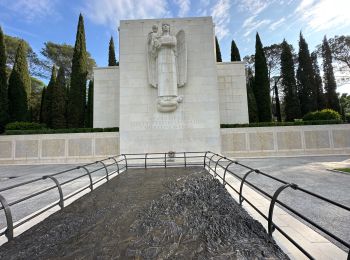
column 24, row 126
column 325, row 114
column 269, row 124
column 61, row 131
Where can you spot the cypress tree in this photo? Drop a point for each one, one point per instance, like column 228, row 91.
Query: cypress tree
column 291, row 100
column 90, row 105
column 261, row 83
column 318, row 82
column 277, row 102
column 47, row 105
column 306, row 79
column 218, row 52
column 111, row 54
column 235, row 56
column 19, row 86
column 58, row 103
column 330, row 85
column 42, row 104
column 252, row 109
column 3, row 84
column 77, row 91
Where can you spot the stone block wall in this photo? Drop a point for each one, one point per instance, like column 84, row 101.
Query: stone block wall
column 106, row 97
column 232, row 93
column 286, row 140
column 57, row 148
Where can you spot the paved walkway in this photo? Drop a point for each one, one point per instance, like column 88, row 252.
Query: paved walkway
column 311, row 173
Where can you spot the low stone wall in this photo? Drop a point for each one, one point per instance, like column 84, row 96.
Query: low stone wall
column 236, row 142
column 286, row 140
column 58, row 148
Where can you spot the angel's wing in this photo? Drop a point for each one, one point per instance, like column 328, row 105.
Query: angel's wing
column 151, row 63
column 181, row 58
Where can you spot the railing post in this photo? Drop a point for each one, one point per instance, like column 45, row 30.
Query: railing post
column 58, row 185
column 224, row 180
column 204, row 160
column 104, row 166
column 9, row 221
column 270, row 226
column 89, row 174
column 145, row 160
column 185, row 159
column 217, row 165
column 116, row 162
column 210, row 160
column 126, row 161
column 164, row 160
column 241, row 187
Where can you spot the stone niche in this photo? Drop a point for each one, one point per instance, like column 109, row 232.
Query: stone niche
column 182, row 116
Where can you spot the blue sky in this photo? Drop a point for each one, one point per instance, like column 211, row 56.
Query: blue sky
column 38, row 21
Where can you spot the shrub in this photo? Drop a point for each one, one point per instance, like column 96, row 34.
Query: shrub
column 270, row 124
column 24, row 126
column 325, row 114
column 347, row 117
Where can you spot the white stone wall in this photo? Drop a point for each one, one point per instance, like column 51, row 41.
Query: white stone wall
column 236, row 142
column 106, row 97
column 286, row 140
column 58, row 148
column 194, row 126
column 232, row 93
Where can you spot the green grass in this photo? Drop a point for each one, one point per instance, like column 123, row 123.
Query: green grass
column 343, row 169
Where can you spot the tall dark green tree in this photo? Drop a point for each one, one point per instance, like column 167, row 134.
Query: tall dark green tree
column 218, row 52
column 111, row 53
column 330, row 85
column 19, row 86
column 261, row 83
column 77, row 91
column 318, row 82
column 58, row 103
column 42, row 106
column 235, row 56
column 306, row 79
column 4, row 116
column 46, row 115
column 291, row 100
column 252, row 109
column 90, row 105
column 277, row 103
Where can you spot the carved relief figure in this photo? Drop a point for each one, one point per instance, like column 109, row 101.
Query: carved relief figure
column 167, row 66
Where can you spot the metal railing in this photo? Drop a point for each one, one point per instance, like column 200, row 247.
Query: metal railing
column 218, row 160
column 6, row 207
column 208, row 160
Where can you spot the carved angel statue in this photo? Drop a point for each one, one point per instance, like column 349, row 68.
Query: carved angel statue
column 167, row 66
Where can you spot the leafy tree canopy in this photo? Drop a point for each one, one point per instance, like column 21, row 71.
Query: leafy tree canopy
column 36, row 65
column 340, row 48
column 61, row 55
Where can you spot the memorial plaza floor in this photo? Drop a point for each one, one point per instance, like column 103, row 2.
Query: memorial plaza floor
column 311, row 173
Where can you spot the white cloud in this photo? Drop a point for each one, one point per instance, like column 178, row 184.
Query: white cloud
column 184, row 7
column 277, row 24
column 221, row 16
column 31, row 9
column 324, row 14
column 109, row 12
column 252, row 25
column 254, row 7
